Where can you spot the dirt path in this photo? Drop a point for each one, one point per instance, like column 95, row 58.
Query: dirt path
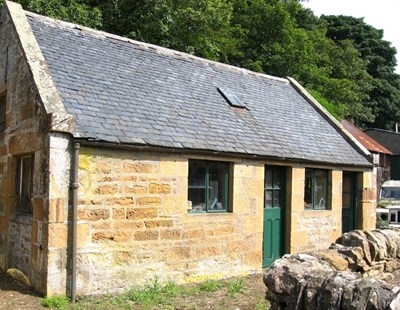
column 16, row 296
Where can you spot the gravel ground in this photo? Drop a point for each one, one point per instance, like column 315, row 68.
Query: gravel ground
column 16, row 296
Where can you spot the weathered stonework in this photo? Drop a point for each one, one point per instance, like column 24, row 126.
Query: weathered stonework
column 32, row 110
column 133, row 223
column 22, row 236
column 135, row 207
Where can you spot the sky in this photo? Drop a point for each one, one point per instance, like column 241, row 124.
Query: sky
column 382, row 14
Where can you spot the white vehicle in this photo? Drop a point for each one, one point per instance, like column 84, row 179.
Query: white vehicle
column 388, row 212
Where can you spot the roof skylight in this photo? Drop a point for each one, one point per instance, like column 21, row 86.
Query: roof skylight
column 231, row 98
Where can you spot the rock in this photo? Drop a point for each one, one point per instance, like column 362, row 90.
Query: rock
column 354, row 254
column 334, row 258
column 352, row 274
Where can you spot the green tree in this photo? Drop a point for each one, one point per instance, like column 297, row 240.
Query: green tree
column 384, row 95
column 76, row 11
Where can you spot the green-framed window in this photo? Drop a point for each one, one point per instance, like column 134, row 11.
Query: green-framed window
column 316, row 189
column 209, row 186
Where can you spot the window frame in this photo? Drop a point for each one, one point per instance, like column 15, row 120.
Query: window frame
column 273, row 188
column 23, row 206
column 313, row 189
column 227, row 190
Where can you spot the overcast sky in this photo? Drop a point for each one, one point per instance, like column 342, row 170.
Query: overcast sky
column 382, row 14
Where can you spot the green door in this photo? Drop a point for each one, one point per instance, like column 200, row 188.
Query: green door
column 274, row 207
column 349, row 202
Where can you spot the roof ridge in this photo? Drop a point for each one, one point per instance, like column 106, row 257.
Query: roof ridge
column 161, row 49
column 384, row 130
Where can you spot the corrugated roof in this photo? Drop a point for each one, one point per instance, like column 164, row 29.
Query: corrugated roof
column 389, row 139
column 123, row 91
column 369, row 143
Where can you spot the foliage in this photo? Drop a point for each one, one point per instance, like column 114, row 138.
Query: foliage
column 235, row 286
column 384, row 95
column 210, row 286
column 153, row 293
column 76, row 11
column 56, row 302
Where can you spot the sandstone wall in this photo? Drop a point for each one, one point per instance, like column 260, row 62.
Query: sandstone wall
column 21, row 235
column 314, row 229
column 134, row 226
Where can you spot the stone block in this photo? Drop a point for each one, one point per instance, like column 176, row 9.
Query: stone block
column 83, row 234
column 101, row 225
column 118, row 213
column 125, row 258
column 106, row 190
column 93, row 214
column 138, row 167
column 58, row 235
column 174, row 167
column 148, row 201
column 37, row 206
column 120, row 201
column 220, row 230
column 178, row 254
column 135, row 189
column 127, row 225
column 147, row 178
column 18, row 144
column 174, row 204
column 171, row 234
column 253, row 259
column 35, row 231
column 207, row 252
column 103, row 167
column 253, row 224
column 141, row 213
column 157, row 188
column 147, row 235
column 116, row 236
column 194, row 233
column 159, row 223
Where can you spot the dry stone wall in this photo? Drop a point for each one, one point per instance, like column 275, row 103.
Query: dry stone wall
column 359, row 271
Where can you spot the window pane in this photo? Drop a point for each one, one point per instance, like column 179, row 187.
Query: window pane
column 25, row 183
column 268, row 199
column 197, row 174
column 277, row 179
column 268, row 178
column 308, row 189
column 277, row 199
column 320, row 189
column 197, row 198
column 217, row 186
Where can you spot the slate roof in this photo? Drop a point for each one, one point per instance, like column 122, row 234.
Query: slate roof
column 123, row 91
column 389, row 139
column 369, row 143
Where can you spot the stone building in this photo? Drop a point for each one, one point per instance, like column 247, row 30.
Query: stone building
column 122, row 161
column 390, row 140
column 381, row 156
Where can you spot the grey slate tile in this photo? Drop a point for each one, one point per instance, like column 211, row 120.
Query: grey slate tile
column 123, row 92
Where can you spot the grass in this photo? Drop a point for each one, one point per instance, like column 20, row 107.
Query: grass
column 56, row 302
column 234, row 293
